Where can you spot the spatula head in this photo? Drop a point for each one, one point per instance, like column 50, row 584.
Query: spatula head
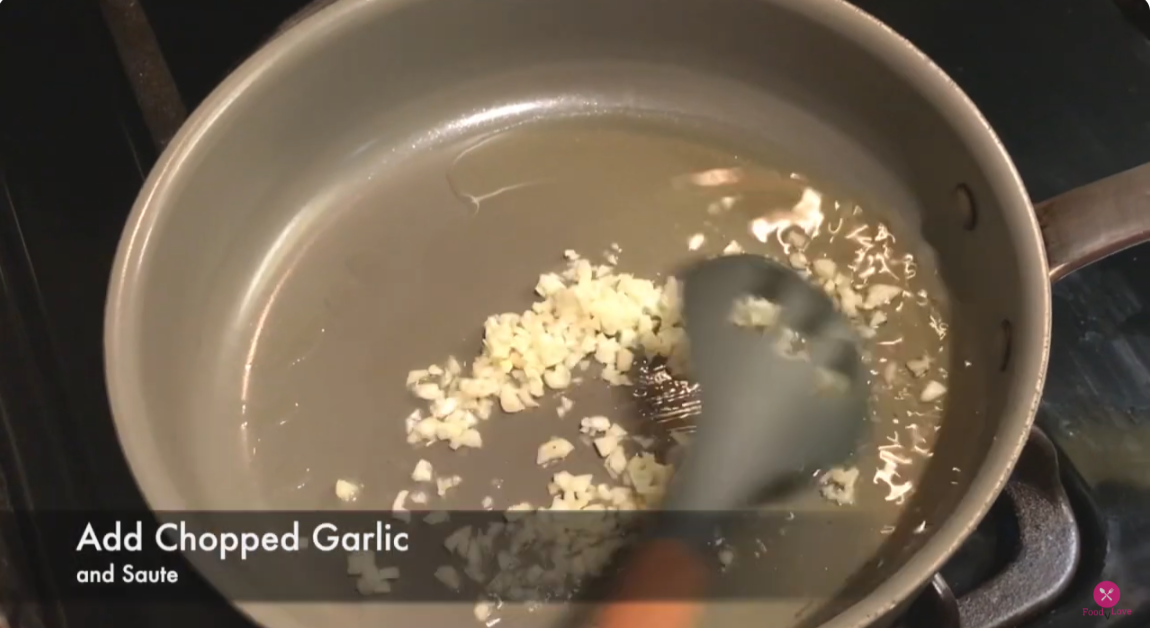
column 767, row 414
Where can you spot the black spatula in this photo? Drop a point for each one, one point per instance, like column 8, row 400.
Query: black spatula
column 768, row 416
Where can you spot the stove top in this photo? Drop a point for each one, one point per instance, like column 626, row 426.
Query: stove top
column 90, row 92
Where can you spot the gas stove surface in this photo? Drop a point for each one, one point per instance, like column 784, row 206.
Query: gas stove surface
column 91, row 92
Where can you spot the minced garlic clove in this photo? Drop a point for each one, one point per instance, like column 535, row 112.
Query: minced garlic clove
column 879, row 295
column 604, row 445
column 482, row 611
column 932, row 391
column 919, row 366
column 824, row 269
column 732, row 248
column 399, row 511
column 422, row 472
column 448, row 576
column 510, row 400
column 838, row 485
column 445, row 484
column 594, row 425
column 564, row 407
column 555, row 449
column 347, row 491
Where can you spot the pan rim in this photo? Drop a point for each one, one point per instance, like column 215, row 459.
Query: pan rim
column 123, row 316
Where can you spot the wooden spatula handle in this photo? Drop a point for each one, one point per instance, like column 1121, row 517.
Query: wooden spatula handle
column 661, row 587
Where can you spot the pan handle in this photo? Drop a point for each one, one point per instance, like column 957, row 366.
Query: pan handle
column 1089, row 223
column 1049, row 548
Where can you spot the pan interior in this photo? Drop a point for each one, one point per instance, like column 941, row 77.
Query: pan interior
column 334, row 231
column 390, row 264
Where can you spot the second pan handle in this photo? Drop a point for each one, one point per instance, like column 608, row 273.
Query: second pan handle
column 1089, row 223
column 1049, row 542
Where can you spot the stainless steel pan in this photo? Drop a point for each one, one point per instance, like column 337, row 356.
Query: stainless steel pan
column 355, row 199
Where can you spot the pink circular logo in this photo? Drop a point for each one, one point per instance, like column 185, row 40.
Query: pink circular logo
column 1106, row 594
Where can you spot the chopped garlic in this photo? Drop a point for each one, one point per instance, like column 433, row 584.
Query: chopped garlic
column 517, row 511
column 838, row 485
column 716, row 177
column 616, row 462
column 370, row 586
column 448, row 575
column 889, row 373
column 411, row 421
column 445, row 484
column 458, row 541
column 510, row 400
column 849, row 300
column 879, row 295
column 398, row 509
column 564, row 407
column 555, row 449
column 587, row 312
column 595, row 425
column 347, row 491
column 732, row 248
column 647, row 476
column 604, row 445
column 549, row 284
column 427, row 392
column 487, row 502
column 482, row 611
column 558, row 378
column 372, row 579
column 360, row 563
column 624, row 359
column 466, row 438
column 584, row 312
column 919, row 366
column 422, row 472
column 932, row 391
column 419, row 497
column 824, row 269
column 755, row 313
column 389, row 573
